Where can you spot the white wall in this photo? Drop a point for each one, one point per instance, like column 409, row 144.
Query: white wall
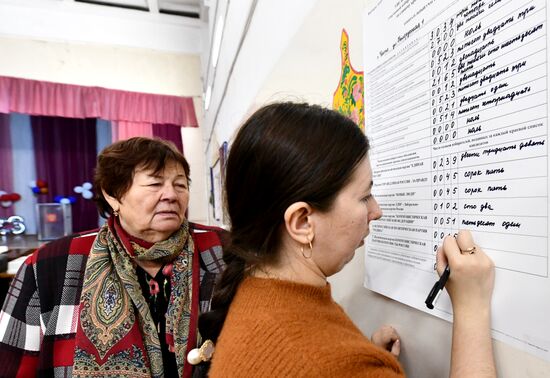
column 193, row 147
column 308, row 69
column 239, row 78
column 105, row 66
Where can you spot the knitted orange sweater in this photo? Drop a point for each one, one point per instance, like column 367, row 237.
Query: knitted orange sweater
column 284, row 329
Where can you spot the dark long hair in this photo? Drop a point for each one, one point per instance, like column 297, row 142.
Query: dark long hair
column 284, row 153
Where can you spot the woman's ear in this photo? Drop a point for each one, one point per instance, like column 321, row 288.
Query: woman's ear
column 298, row 222
column 112, row 201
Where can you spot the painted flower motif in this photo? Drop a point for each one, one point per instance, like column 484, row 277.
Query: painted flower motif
column 357, row 92
column 355, row 116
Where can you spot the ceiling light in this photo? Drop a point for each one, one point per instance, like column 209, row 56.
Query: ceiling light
column 216, row 45
column 207, row 97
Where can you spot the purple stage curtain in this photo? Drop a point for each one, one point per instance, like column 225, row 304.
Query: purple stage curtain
column 65, row 155
column 6, row 163
column 170, row 133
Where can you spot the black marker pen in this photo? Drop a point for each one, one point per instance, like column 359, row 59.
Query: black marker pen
column 438, row 288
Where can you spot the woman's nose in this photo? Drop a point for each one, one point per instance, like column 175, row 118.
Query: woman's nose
column 376, row 212
column 168, row 192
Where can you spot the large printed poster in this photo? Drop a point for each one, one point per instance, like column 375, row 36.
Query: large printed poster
column 456, row 99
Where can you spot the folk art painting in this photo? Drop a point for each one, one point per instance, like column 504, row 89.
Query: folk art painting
column 348, row 97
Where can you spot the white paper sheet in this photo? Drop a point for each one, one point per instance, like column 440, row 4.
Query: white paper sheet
column 456, row 96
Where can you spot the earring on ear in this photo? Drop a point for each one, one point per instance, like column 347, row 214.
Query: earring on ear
column 115, row 213
column 310, row 249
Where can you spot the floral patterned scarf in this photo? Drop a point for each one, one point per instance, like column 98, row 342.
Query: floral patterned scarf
column 116, row 335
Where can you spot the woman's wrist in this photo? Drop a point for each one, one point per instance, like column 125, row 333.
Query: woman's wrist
column 474, row 310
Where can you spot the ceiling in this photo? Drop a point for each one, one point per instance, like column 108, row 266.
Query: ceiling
column 166, row 25
column 184, row 8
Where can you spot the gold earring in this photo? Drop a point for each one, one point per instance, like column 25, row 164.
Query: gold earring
column 310, row 249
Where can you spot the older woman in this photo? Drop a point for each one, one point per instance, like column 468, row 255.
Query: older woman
column 122, row 300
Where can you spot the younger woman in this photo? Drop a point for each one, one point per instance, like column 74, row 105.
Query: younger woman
column 298, row 187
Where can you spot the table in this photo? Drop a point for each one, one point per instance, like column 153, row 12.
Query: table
column 15, row 246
